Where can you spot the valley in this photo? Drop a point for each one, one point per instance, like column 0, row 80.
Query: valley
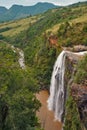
column 29, row 48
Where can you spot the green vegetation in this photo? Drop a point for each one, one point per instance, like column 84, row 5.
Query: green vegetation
column 74, row 34
column 18, row 104
column 17, row 26
column 32, row 34
column 34, row 41
column 81, row 74
column 4, row 29
column 72, row 119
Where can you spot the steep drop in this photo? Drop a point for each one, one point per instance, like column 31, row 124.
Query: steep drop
column 56, row 99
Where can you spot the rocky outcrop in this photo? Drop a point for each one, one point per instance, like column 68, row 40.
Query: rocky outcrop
column 79, row 48
column 76, row 48
column 53, row 40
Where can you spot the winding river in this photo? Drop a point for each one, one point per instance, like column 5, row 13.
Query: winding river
column 21, row 60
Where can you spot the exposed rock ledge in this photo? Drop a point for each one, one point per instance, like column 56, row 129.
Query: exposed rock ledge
column 76, row 48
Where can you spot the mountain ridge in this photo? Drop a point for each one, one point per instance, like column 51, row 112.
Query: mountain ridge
column 2, row 10
column 20, row 11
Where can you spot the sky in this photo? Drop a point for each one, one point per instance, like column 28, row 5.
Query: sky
column 9, row 3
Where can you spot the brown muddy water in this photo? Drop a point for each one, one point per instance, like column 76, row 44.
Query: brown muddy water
column 45, row 116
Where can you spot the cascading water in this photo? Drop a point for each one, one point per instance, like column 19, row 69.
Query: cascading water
column 56, row 99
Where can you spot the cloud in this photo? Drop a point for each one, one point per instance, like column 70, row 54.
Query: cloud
column 67, row 2
column 9, row 3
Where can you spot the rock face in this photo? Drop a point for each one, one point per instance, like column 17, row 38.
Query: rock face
column 53, row 40
column 80, row 48
column 77, row 91
column 79, row 94
column 76, row 48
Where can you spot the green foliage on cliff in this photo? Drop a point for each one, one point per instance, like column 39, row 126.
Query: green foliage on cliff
column 72, row 119
column 41, row 58
column 81, row 74
column 72, row 34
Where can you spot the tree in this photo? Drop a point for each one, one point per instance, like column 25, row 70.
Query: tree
column 18, row 104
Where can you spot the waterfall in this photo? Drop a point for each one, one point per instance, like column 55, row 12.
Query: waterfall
column 56, row 99
column 57, row 92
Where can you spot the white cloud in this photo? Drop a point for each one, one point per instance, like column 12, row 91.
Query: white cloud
column 9, row 3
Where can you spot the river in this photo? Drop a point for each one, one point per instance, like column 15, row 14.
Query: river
column 21, row 60
column 45, row 116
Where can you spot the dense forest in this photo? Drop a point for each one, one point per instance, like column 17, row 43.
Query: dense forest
column 18, row 104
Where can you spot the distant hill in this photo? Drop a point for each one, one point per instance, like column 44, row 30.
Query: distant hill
column 3, row 10
column 19, row 11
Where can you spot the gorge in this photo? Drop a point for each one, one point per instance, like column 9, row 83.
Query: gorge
column 58, row 90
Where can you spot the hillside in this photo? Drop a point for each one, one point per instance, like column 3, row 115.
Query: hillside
column 13, row 28
column 42, row 38
column 19, row 11
column 66, row 26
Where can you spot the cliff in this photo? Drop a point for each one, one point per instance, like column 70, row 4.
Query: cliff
column 76, row 93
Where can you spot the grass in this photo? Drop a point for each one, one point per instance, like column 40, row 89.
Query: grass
column 54, row 29
column 18, row 25
column 81, row 19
